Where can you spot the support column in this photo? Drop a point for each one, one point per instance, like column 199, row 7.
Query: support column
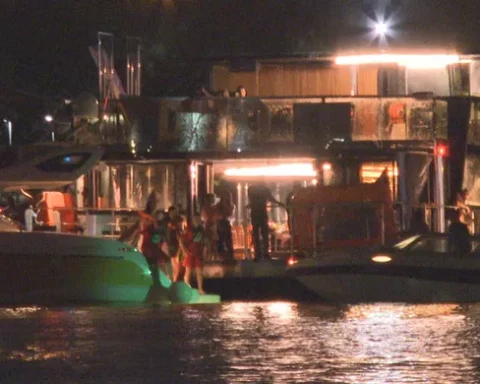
column 402, row 190
column 440, row 193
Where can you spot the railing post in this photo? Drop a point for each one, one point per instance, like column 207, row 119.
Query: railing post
column 291, row 228
column 245, row 232
column 113, row 225
column 382, row 213
column 314, row 227
column 439, row 194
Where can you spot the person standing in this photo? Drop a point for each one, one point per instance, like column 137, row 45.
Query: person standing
column 150, row 240
column 174, row 230
column 208, row 216
column 224, row 210
column 258, row 196
column 288, row 206
column 459, row 235
column 465, row 212
column 193, row 243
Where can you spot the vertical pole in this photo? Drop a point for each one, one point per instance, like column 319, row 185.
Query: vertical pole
column 439, row 193
column 245, row 222
column 382, row 216
column 314, row 227
column 10, row 132
column 402, row 190
column 291, row 226
column 139, row 69
column 354, row 80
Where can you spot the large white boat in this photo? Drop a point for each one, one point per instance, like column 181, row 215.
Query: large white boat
column 51, row 267
column 419, row 269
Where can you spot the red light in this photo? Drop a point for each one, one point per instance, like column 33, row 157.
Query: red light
column 292, row 260
column 441, row 150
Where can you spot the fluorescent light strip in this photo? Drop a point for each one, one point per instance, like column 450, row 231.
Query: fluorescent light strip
column 409, row 61
column 298, row 169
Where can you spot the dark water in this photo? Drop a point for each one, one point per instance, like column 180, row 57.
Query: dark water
column 240, row 342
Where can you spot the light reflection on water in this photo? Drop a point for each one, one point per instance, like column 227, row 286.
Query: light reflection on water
column 242, row 342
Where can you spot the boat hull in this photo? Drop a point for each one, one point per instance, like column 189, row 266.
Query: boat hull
column 54, row 268
column 361, row 288
column 355, row 278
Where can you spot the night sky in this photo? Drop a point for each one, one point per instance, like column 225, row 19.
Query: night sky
column 45, row 43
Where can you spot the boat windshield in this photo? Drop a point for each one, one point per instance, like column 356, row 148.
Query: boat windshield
column 406, row 242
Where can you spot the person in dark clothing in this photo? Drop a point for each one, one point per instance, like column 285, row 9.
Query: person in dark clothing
column 296, row 186
column 418, row 224
column 258, row 197
column 458, row 235
column 224, row 210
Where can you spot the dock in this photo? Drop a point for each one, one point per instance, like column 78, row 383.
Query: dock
column 253, row 280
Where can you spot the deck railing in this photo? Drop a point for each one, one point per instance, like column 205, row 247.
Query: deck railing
column 310, row 228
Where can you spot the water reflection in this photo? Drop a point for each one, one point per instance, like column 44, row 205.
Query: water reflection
column 244, row 342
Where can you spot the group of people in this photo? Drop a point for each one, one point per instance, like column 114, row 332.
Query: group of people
column 170, row 241
column 216, row 216
column 240, row 91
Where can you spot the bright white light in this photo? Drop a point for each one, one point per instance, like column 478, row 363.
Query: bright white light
column 381, row 29
column 381, row 259
column 48, row 118
column 298, row 169
column 409, row 61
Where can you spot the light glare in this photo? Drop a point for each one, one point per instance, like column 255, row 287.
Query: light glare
column 406, row 60
column 299, row 169
column 380, row 29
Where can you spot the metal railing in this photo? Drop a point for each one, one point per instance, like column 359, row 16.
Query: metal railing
column 309, row 228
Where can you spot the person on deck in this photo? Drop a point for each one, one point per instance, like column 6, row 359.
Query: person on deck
column 458, row 235
column 288, row 206
column 466, row 213
column 194, row 246
column 258, row 196
column 224, row 210
column 418, row 224
column 151, row 237
column 208, row 215
column 174, row 229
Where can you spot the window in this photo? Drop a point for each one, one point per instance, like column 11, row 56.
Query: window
column 432, row 244
column 371, row 171
column 64, row 163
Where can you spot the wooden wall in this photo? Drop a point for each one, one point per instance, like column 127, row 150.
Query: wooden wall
column 296, row 80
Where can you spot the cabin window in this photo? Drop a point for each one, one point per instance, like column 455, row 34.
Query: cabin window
column 64, row 163
column 370, row 172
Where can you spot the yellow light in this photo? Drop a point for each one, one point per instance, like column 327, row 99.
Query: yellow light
column 298, row 169
column 381, row 259
column 327, row 166
column 409, row 61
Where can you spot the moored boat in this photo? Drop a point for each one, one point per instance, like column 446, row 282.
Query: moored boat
column 419, row 269
column 40, row 267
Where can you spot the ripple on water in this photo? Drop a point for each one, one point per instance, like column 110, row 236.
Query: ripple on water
column 242, row 342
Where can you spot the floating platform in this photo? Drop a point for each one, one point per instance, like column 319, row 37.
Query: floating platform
column 167, row 292
column 253, row 280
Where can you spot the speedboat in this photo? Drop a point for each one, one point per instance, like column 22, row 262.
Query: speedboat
column 49, row 267
column 40, row 267
column 418, row 269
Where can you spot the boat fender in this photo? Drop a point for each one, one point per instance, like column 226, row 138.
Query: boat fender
column 195, row 295
column 29, row 216
column 180, row 293
column 165, row 281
